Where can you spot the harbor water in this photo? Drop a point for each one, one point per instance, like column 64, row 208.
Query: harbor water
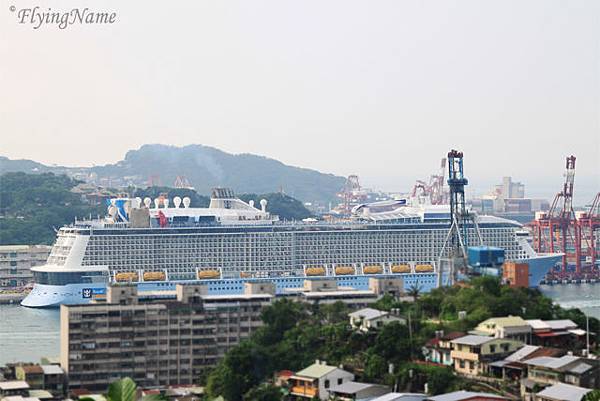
column 29, row 334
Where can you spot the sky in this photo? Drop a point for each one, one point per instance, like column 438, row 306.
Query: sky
column 382, row 89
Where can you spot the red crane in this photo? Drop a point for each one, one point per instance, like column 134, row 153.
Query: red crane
column 589, row 224
column 558, row 231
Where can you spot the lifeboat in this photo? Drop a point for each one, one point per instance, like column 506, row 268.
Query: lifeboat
column 126, row 276
column 372, row 269
column 155, row 276
column 315, row 271
column 244, row 275
column 400, row 268
column 344, row 270
column 423, row 268
column 208, row 274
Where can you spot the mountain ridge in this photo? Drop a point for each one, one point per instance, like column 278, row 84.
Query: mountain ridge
column 204, row 166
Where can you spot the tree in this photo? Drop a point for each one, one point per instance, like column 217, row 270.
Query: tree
column 125, row 389
column 264, row 392
column 593, row 395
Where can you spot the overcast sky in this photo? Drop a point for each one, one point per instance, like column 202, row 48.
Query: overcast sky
column 382, row 89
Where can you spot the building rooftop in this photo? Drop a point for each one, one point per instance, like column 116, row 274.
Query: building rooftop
column 551, row 362
column 563, row 392
column 367, row 313
column 400, row 397
column 472, row 340
column 352, row 387
column 52, row 370
column 41, row 394
column 463, row 395
column 316, row 370
column 564, row 324
column 505, row 321
column 14, row 385
column 522, row 353
column 32, row 369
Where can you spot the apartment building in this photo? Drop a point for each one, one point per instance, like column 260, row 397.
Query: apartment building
column 16, row 262
column 156, row 343
column 513, row 327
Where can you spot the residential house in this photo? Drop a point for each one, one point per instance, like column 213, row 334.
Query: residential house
column 317, row 379
column 568, row 369
column 514, row 367
column 472, row 354
column 368, row 318
column 513, row 327
column 562, row 392
column 54, row 379
column 438, row 349
column 556, row 333
column 14, row 387
column 355, row 391
column 467, row 396
column 32, row 374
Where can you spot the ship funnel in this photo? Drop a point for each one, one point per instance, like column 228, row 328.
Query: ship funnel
column 147, row 202
column 263, row 205
column 156, row 203
column 186, row 202
column 251, row 203
column 177, row 201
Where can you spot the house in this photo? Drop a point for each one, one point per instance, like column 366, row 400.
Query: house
column 514, row 367
column 54, row 379
column 368, row 318
column 355, row 391
column 467, row 396
column 556, row 333
column 32, row 374
column 401, row 397
column 14, row 387
column 317, row 379
column 513, row 327
column 472, row 354
column 438, row 349
column 568, row 369
column 562, row 392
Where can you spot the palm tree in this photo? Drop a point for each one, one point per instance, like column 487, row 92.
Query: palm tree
column 414, row 290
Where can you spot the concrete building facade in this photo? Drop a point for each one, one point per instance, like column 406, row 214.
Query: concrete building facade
column 16, row 262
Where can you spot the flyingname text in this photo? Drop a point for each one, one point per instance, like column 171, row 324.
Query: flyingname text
column 63, row 19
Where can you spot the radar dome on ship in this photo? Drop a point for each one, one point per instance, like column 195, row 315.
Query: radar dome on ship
column 177, row 201
column 156, row 203
column 166, row 203
column 138, row 202
column 263, row 205
column 251, row 203
column 147, row 202
column 186, row 202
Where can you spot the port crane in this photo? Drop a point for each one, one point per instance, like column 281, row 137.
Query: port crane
column 453, row 256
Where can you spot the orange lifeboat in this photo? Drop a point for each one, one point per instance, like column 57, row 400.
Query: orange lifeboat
column 208, row 274
column 244, row 275
column 315, row 271
column 126, row 276
column 344, row 270
column 424, row 268
column 155, row 276
column 401, row 268
column 372, row 269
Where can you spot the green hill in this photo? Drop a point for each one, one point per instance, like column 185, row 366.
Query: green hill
column 205, row 167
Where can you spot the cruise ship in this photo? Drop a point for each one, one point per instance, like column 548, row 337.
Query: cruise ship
column 159, row 243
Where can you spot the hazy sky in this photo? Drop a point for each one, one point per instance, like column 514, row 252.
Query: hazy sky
column 382, row 89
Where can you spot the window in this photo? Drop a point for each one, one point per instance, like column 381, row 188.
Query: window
column 492, row 348
column 461, row 363
column 340, row 381
column 326, row 384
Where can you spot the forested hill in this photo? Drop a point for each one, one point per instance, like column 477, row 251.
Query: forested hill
column 33, row 205
column 204, row 167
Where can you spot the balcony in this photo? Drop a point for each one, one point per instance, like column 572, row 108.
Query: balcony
column 469, row 356
column 304, row 391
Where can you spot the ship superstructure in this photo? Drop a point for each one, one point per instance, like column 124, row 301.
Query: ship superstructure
column 157, row 243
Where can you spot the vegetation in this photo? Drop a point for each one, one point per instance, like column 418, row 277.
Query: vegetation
column 294, row 335
column 125, row 389
column 33, row 205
